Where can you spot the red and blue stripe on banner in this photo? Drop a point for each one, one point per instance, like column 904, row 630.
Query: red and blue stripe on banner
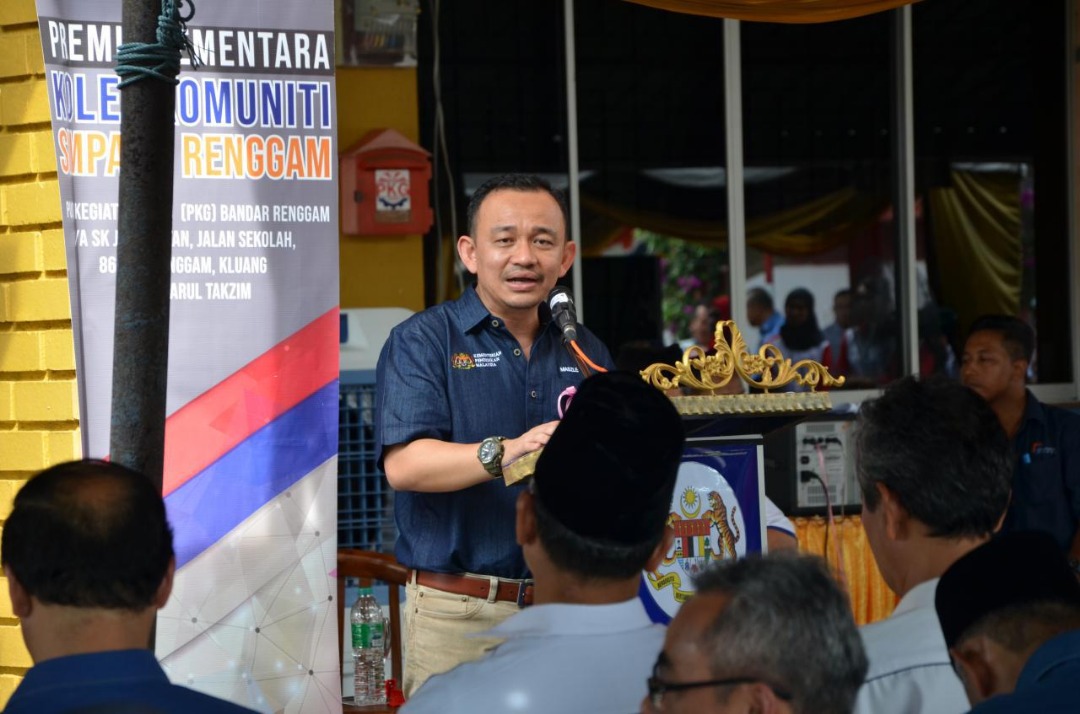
column 237, row 446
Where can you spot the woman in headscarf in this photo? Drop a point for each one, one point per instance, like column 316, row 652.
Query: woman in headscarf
column 800, row 338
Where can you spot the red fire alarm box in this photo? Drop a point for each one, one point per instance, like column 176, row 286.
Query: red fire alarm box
column 384, row 186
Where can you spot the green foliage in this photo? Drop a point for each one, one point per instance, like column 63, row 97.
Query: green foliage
column 691, row 273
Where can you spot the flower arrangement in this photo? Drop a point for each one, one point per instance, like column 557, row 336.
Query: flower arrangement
column 690, row 273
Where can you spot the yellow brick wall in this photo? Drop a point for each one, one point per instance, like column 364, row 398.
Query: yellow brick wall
column 38, row 397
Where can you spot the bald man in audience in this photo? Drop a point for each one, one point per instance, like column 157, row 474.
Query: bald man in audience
column 88, row 556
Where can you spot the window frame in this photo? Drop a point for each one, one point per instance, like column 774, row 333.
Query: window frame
column 903, row 187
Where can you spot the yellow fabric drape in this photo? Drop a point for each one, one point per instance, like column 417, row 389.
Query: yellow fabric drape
column 812, row 227
column 791, row 11
column 976, row 240
column 871, row 598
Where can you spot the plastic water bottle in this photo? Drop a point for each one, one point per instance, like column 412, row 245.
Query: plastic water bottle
column 369, row 649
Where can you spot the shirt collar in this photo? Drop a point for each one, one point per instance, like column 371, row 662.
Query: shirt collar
column 1033, row 409
column 116, row 666
column 566, row 619
column 770, row 324
column 920, row 596
column 471, row 313
column 1054, row 652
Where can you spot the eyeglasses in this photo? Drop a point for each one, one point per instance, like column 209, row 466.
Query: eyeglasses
column 658, row 687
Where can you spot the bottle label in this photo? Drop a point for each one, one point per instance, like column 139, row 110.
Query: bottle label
column 367, row 635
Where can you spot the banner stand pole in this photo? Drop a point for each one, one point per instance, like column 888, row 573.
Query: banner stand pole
column 143, row 253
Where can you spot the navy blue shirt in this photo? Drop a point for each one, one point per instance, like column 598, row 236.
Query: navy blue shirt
column 1046, row 482
column 1047, row 684
column 455, row 373
column 116, row 681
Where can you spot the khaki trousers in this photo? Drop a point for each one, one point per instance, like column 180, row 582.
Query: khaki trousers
column 436, row 625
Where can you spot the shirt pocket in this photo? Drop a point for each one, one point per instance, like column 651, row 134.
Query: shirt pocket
column 1040, row 479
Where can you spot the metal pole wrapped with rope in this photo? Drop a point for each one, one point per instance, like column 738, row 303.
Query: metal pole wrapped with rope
column 148, row 65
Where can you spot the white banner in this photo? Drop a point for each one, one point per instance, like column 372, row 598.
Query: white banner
column 251, row 436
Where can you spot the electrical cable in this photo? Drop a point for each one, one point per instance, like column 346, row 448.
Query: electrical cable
column 830, row 523
column 440, row 142
column 436, row 199
column 441, row 167
column 580, row 356
column 577, row 357
column 825, row 548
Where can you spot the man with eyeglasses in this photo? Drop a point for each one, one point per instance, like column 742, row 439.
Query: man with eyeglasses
column 763, row 634
column 593, row 517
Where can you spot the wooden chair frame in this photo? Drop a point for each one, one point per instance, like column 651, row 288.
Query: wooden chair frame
column 367, row 566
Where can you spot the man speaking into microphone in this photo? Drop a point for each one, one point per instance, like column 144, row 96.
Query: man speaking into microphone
column 464, row 388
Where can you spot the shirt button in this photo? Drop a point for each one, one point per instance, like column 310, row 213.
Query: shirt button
column 494, row 323
column 533, row 394
column 517, row 352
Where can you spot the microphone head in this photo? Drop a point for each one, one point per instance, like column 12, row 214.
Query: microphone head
column 559, row 299
column 563, row 312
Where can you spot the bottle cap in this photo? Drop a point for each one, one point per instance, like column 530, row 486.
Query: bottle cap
column 394, row 696
column 366, row 591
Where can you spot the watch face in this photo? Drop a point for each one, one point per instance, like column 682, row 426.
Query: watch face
column 489, row 451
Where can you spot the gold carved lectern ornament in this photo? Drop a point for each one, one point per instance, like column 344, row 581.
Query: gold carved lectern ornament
column 766, row 370
column 707, row 373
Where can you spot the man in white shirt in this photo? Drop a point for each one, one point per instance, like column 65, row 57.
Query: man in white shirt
column 934, row 468
column 592, row 519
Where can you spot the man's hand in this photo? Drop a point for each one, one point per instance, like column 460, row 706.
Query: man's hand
column 432, row 465
column 533, row 439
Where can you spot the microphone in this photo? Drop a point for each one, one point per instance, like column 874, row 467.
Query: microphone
column 563, row 312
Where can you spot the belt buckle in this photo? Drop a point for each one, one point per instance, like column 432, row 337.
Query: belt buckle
column 523, row 586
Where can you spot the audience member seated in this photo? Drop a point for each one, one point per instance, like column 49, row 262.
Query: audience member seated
column 800, row 337
column 936, row 355
column 1010, row 611
column 1045, row 439
column 934, row 468
column 869, row 354
column 88, row 556
column 769, row 634
column 761, row 313
column 779, row 530
column 702, row 328
column 834, row 333
column 592, row 519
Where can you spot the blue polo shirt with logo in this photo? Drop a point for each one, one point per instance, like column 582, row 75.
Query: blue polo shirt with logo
column 455, row 373
column 1046, row 482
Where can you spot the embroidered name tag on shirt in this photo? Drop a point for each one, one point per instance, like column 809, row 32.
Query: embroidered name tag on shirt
column 565, row 368
column 1039, row 450
column 462, row 360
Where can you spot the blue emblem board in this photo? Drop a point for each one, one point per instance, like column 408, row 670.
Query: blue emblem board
column 716, row 512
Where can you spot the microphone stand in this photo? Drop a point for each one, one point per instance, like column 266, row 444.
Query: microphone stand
column 575, row 352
